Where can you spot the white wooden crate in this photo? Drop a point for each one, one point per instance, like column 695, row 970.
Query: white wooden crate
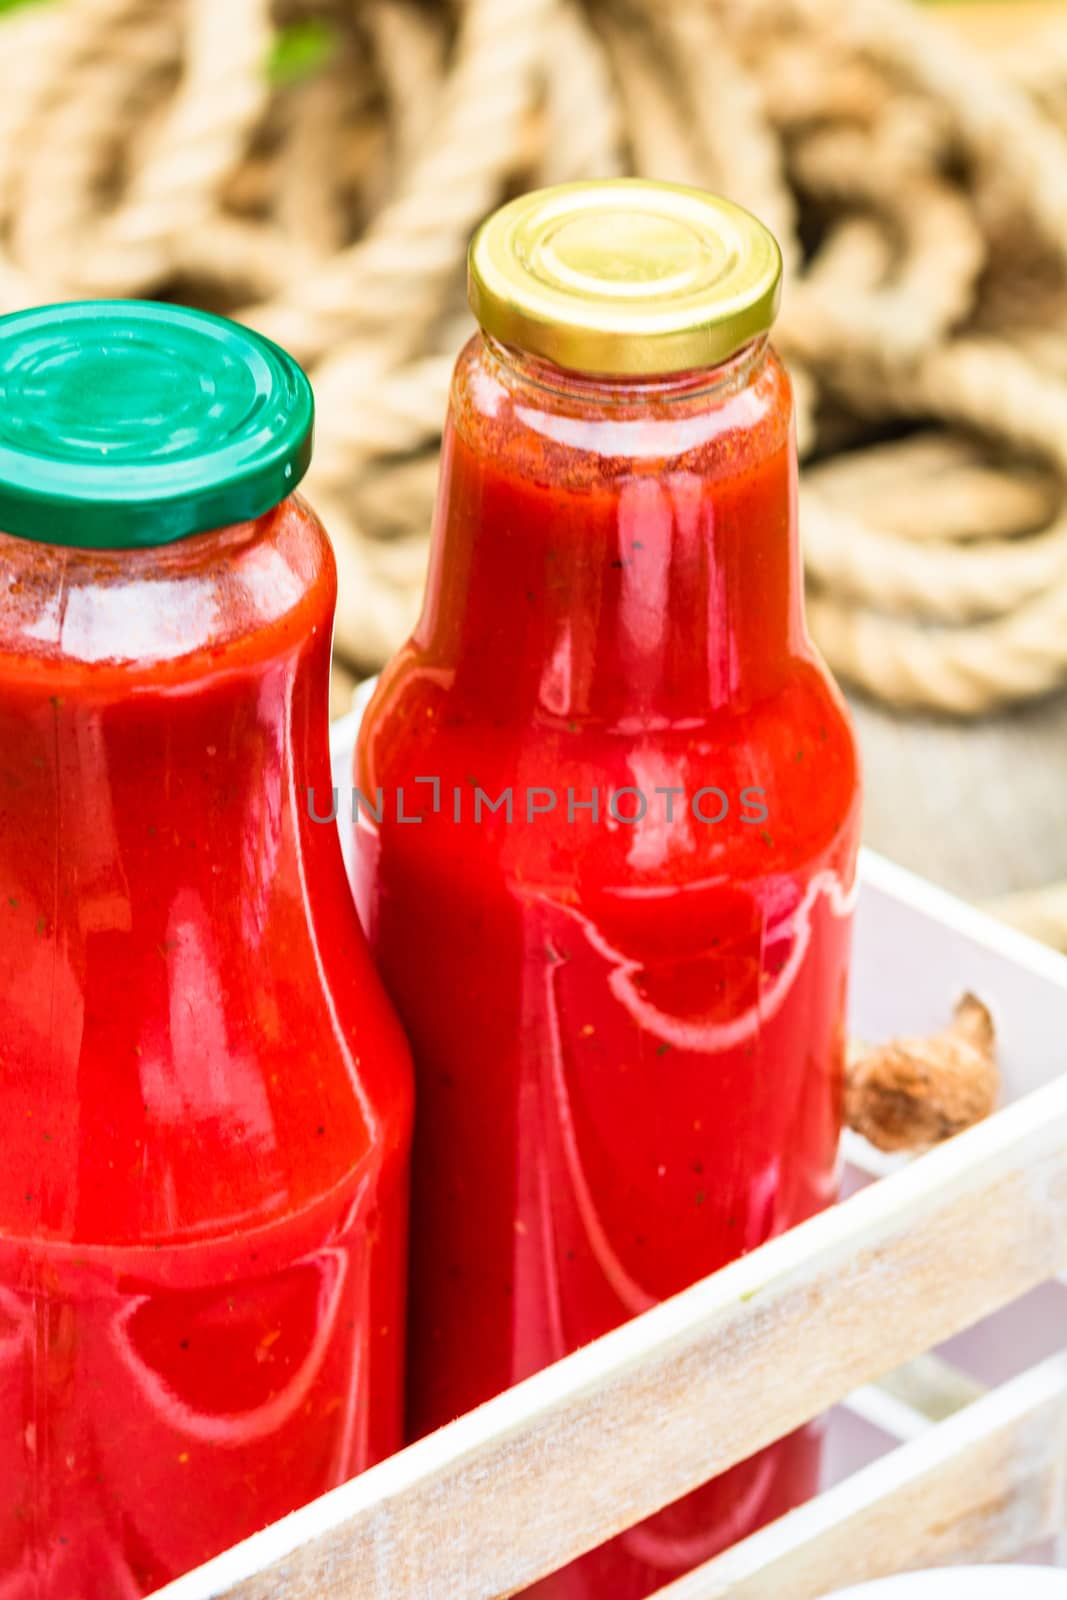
column 933, row 1458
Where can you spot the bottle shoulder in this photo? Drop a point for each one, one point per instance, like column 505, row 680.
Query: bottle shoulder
column 189, row 1115
column 749, row 791
column 175, row 611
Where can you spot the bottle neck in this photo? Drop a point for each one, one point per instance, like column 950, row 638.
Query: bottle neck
column 622, row 552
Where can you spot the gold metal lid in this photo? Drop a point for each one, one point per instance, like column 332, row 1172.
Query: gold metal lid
column 624, row 276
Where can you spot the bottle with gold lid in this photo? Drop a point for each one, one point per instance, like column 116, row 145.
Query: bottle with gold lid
column 607, row 856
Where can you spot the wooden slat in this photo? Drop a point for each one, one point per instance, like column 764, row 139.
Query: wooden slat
column 557, row 1464
column 980, row 1487
column 905, row 1402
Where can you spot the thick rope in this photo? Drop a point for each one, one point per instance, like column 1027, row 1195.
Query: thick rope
column 393, row 277
column 919, row 190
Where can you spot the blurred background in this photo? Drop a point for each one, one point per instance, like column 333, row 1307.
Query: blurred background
column 316, row 169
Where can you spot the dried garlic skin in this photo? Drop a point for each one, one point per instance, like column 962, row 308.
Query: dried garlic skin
column 914, row 1093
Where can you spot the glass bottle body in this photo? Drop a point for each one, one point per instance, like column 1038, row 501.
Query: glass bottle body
column 207, row 1098
column 606, row 848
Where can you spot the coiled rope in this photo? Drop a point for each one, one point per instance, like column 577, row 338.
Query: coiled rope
column 317, row 170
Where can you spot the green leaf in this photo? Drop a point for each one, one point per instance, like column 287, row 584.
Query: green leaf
column 299, row 51
column 7, row 6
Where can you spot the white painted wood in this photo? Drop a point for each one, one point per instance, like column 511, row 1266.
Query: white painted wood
column 617, row 1430
column 917, row 948
column 966, row 1583
column 904, row 1403
column 980, row 1486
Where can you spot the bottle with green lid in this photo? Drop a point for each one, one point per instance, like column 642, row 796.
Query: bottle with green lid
column 205, row 1095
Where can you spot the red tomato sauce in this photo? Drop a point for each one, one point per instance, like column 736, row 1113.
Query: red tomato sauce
column 205, row 1097
column 628, row 1035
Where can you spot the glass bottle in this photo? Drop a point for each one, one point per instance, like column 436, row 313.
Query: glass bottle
column 205, row 1097
column 607, row 822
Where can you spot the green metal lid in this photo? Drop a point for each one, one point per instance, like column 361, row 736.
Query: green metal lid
column 126, row 423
